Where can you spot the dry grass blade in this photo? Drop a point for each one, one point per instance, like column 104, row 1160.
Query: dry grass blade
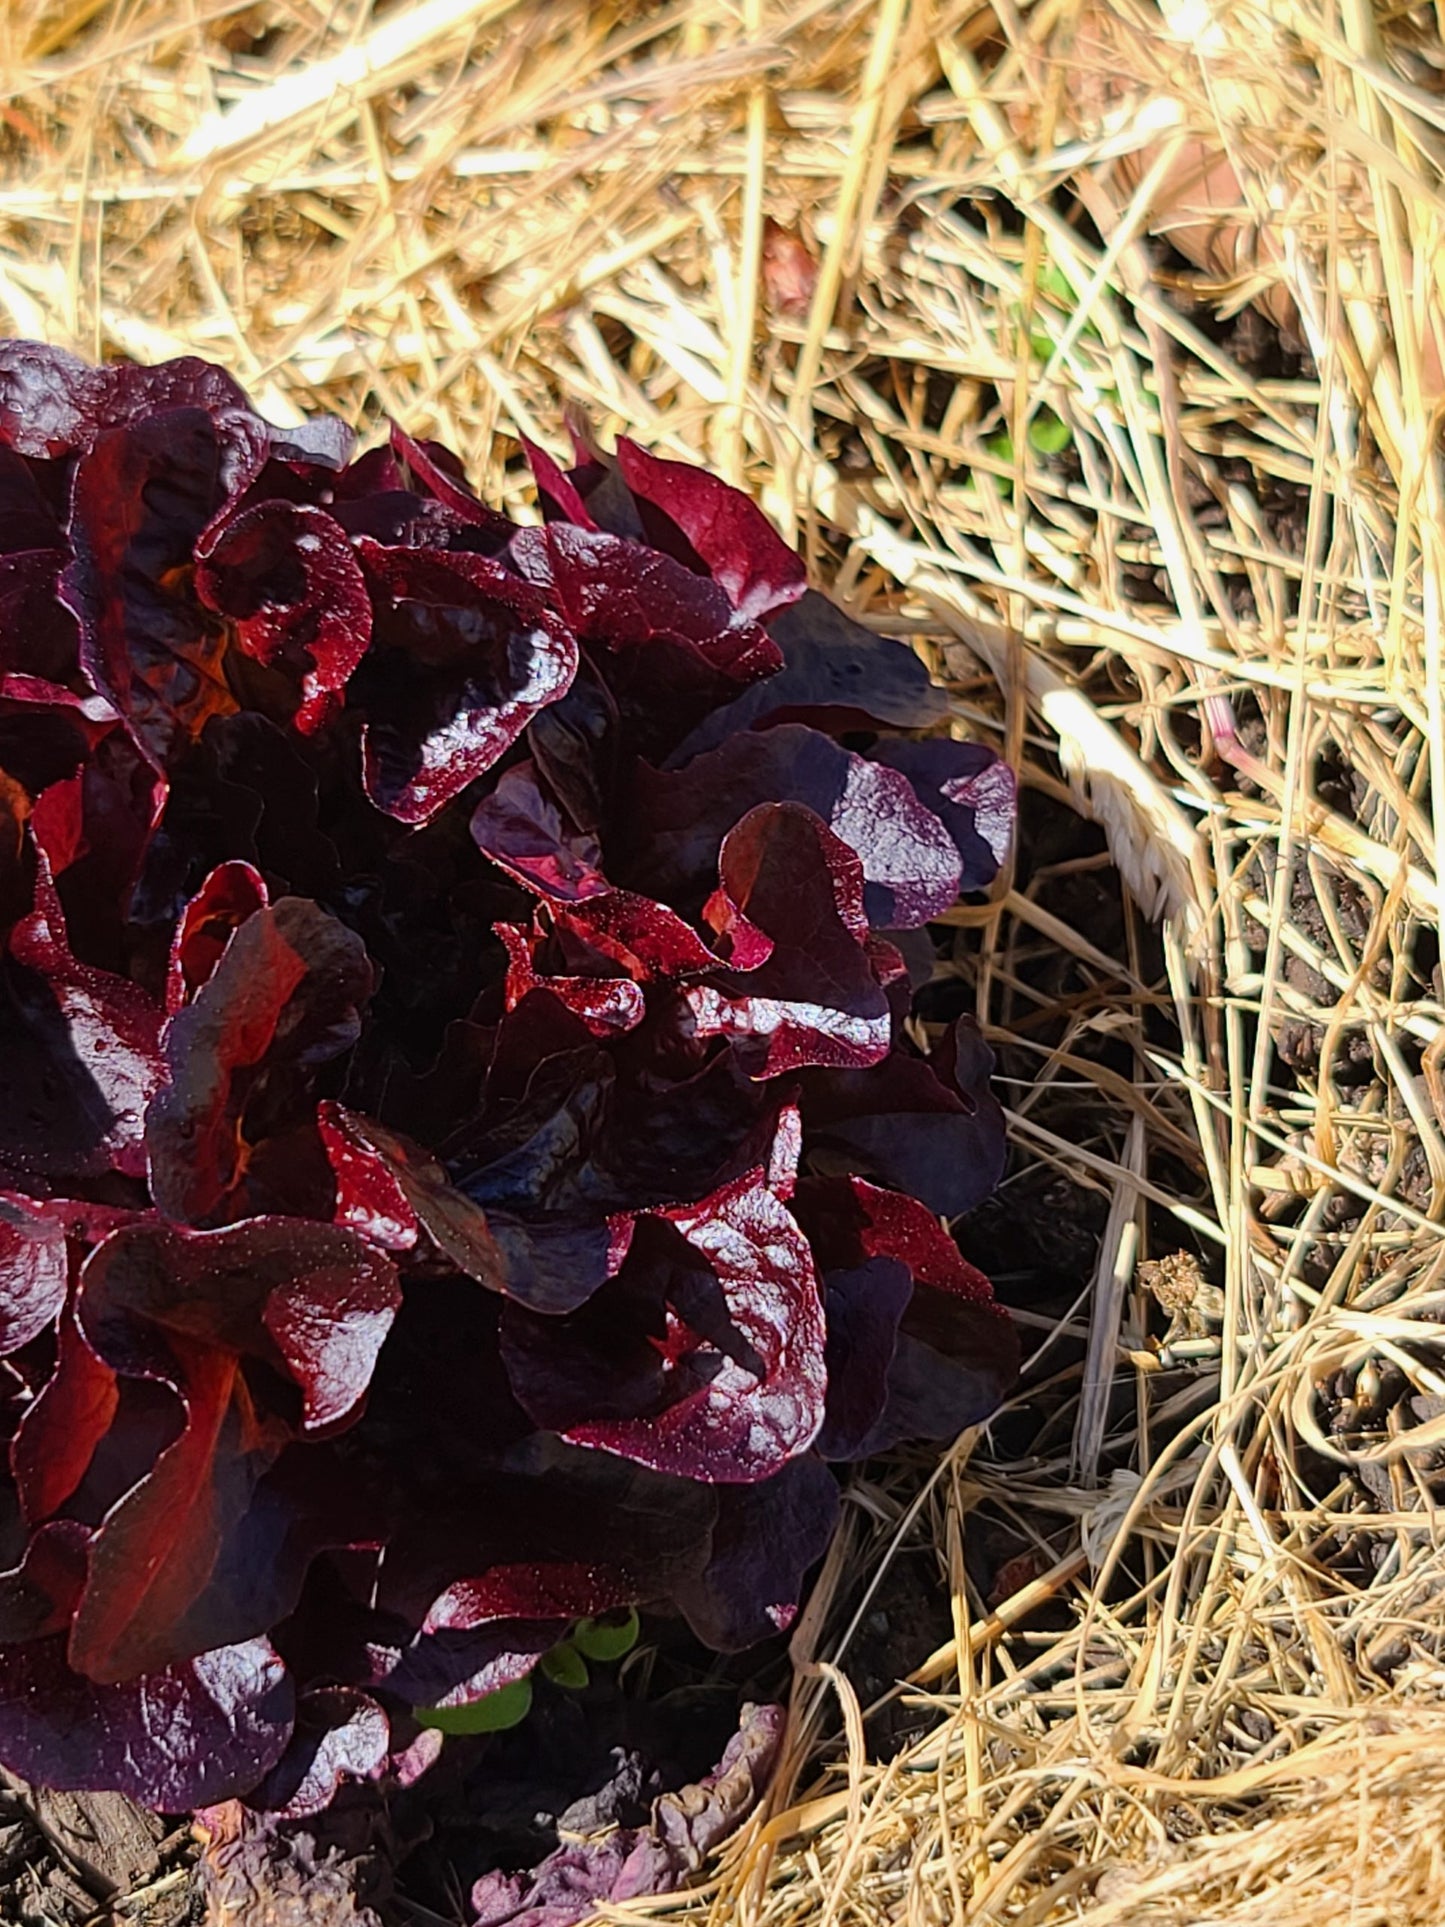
column 1093, row 346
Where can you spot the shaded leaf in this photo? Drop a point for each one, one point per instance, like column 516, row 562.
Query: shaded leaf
column 287, row 994
column 466, row 655
column 287, row 578
column 193, row 1732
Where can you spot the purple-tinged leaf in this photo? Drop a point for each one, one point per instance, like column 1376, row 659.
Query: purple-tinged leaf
column 625, row 1863
column 765, row 1539
column 928, row 1127
column 142, row 497
column 970, row 790
column 51, row 404
column 864, row 1305
column 836, row 674
column 558, row 1591
column 815, row 1000
column 286, row 995
column 34, row 1271
column 619, row 595
column 54, row 1443
column 36, row 628
column 605, row 1001
column 196, row 1552
column 439, row 471
column 702, row 1358
column 675, row 821
column 79, row 1055
column 340, row 1735
column 524, row 832
column 551, row 1267
column 369, row 1198
column 287, row 577
column 38, row 1595
column 230, row 894
column 465, row 655
column 201, row 1730
column 561, row 501
column 949, row 1351
column 595, row 955
column 732, row 539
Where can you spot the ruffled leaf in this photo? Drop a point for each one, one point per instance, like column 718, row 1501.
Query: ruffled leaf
column 201, row 1730
column 465, row 656
column 287, row 995
column 286, row 576
column 703, row 1357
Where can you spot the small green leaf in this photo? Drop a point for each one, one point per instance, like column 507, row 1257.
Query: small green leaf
column 565, row 1666
column 1048, row 434
column 1000, row 446
column 606, row 1639
column 494, row 1713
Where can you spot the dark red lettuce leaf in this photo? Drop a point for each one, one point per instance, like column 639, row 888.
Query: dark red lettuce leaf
column 47, row 732
column 576, row 743
column 37, row 632
column 369, row 1196
column 439, row 471
column 67, row 1420
column 287, row 577
column 52, row 404
column 675, row 821
column 197, row 1731
column 196, row 1553
column 560, row 1534
column 230, row 894
column 466, row 654
column 620, row 595
column 766, row 1538
column 340, row 1735
column 930, row 1127
column 836, row 674
column 142, row 497
column 864, row 1305
column 388, row 1187
column 560, row 497
column 814, row 997
column 692, row 514
column 454, row 1668
column 573, row 1133
column 900, row 1295
column 79, row 1055
column 287, row 995
column 523, row 830
column 702, row 1358
column 595, row 955
column 34, row 1271
column 970, row 790
column 91, row 801
column 38, row 1596
column 604, row 1000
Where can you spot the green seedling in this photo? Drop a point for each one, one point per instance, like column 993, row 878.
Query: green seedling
column 494, row 1713
column 609, row 1638
column 565, row 1666
column 1049, row 434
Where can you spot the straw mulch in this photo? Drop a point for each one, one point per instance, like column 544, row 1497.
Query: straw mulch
column 1097, row 348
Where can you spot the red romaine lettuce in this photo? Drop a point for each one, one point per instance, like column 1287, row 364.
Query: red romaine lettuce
column 467, row 1155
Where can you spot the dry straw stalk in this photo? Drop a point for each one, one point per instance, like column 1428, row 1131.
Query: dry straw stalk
column 985, row 301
